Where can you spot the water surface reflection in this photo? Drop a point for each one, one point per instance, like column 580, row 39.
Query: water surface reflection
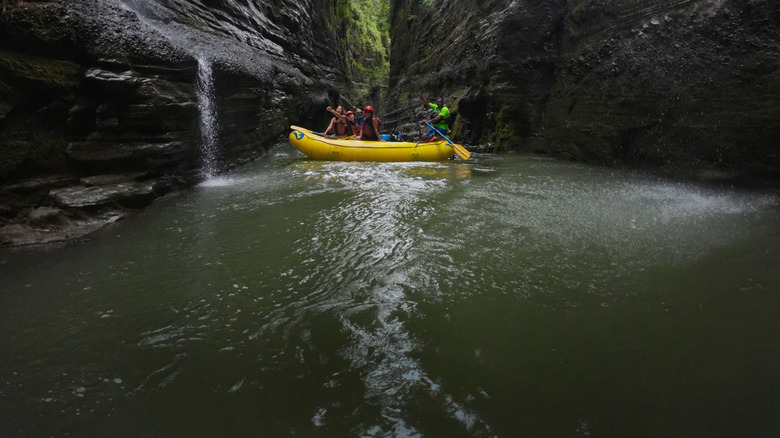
column 303, row 298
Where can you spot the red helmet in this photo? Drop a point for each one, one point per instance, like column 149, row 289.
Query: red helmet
column 369, row 108
column 349, row 112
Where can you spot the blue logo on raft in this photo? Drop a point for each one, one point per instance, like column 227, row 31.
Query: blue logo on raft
column 298, row 135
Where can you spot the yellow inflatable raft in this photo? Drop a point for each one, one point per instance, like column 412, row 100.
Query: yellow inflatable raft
column 335, row 149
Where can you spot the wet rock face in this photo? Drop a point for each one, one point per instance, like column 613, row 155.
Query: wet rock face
column 95, row 88
column 134, row 117
column 688, row 85
column 88, row 75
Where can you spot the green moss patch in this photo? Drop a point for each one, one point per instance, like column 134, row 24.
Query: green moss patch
column 52, row 73
column 34, row 149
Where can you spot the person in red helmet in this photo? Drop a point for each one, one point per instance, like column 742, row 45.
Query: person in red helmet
column 351, row 123
column 370, row 129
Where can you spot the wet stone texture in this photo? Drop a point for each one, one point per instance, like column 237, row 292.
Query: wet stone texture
column 691, row 87
column 95, row 88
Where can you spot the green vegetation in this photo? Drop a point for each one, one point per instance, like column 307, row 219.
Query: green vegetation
column 363, row 27
column 373, row 26
column 367, row 22
column 372, row 22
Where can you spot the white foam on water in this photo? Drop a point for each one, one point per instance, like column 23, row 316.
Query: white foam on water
column 221, row 181
column 674, row 200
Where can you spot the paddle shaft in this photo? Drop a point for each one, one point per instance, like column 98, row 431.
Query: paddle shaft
column 348, row 102
column 436, row 131
column 414, row 111
column 460, row 150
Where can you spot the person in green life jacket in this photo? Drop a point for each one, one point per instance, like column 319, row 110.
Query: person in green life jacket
column 440, row 121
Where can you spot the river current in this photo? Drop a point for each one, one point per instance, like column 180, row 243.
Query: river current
column 504, row 296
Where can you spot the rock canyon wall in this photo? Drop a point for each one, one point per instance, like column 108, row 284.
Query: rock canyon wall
column 688, row 86
column 107, row 104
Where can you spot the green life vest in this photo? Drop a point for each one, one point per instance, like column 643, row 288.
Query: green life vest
column 444, row 112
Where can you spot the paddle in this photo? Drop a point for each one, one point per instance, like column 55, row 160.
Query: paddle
column 460, row 150
column 347, row 101
column 414, row 111
column 350, row 104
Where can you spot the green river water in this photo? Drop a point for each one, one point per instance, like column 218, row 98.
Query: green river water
column 504, row 296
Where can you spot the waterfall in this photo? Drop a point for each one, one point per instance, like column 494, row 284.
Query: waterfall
column 160, row 21
column 209, row 127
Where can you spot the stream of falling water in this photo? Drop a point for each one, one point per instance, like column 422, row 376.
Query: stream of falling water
column 209, row 124
column 202, row 48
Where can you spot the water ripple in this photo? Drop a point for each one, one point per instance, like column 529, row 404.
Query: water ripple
column 384, row 299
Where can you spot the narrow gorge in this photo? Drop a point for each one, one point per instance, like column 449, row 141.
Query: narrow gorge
column 600, row 257
column 107, row 105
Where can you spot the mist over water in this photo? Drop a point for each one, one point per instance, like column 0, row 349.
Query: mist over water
column 478, row 298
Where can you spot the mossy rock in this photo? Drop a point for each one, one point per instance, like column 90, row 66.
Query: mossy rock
column 35, row 149
column 18, row 69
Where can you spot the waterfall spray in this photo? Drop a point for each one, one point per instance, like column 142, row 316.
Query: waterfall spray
column 209, row 127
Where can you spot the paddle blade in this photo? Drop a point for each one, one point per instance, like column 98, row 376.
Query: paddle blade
column 461, row 151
